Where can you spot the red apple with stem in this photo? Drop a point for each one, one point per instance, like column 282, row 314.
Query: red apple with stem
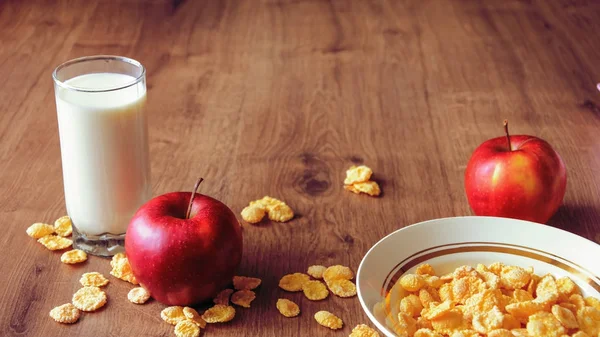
column 518, row 177
column 184, row 247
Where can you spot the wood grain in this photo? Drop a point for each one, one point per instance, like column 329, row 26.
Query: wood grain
column 279, row 97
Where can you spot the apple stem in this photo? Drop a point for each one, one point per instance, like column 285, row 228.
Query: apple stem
column 507, row 135
column 189, row 209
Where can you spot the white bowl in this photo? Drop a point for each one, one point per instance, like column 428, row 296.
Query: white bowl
column 451, row 242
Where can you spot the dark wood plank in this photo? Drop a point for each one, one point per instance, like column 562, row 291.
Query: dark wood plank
column 279, row 97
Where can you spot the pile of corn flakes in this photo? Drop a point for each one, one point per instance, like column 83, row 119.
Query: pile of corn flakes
column 275, row 209
column 495, row 301
column 358, row 181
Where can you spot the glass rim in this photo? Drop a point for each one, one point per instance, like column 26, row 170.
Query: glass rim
column 125, row 59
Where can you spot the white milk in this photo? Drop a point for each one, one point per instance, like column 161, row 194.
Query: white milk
column 104, row 148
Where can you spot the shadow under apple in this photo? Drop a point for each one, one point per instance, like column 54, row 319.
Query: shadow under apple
column 578, row 219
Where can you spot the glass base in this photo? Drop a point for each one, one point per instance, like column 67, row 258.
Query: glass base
column 100, row 245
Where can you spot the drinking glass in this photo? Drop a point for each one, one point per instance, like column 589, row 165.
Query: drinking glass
column 104, row 147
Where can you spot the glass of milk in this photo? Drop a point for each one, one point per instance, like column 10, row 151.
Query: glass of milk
column 104, row 147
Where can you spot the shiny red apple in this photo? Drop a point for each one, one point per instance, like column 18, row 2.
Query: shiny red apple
column 520, row 177
column 184, row 249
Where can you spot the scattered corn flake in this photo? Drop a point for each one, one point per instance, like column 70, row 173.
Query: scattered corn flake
column 464, row 271
column 485, row 322
column 276, row 209
column 565, row 317
column 357, row 174
column 496, row 268
column 66, row 313
column 39, row 230
column 510, row 322
column 491, row 280
column 427, row 296
column 522, row 310
column 520, row 333
column 116, row 258
column 521, row 295
column 55, row 242
column 187, row 328
column 73, row 256
column 193, row 315
column 425, row 269
column 316, row 290
column 465, row 287
column 445, row 292
column 243, row 298
column 514, row 277
column 436, row 310
column 138, row 295
column 411, row 305
column 569, row 306
column 63, row 226
column 426, row 332
column 480, row 268
column 577, row 300
column 253, row 213
column 423, row 323
column 342, row 288
column 329, row 320
column 544, row 324
column 293, row 282
column 246, row 283
column 500, row 333
column 589, row 320
column 223, row 297
column 406, row 325
column 337, row 272
column 412, row 282
column 566, row 287
column 532, row 285
column 173, row 314
column 363, row 330
column 449, row 321
column 121, row 269
column 316, row 271
column 281, row 213
column 547, row 289
column 592, row 302
column 267, row 202
column 433, row 281
column 93, row 279
column 287, row 308
column 464, row 333
column 369, row 187
column 89, row 299
column 219, row 314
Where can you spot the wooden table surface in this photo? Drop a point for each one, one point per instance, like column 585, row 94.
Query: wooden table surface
column 279, row 97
